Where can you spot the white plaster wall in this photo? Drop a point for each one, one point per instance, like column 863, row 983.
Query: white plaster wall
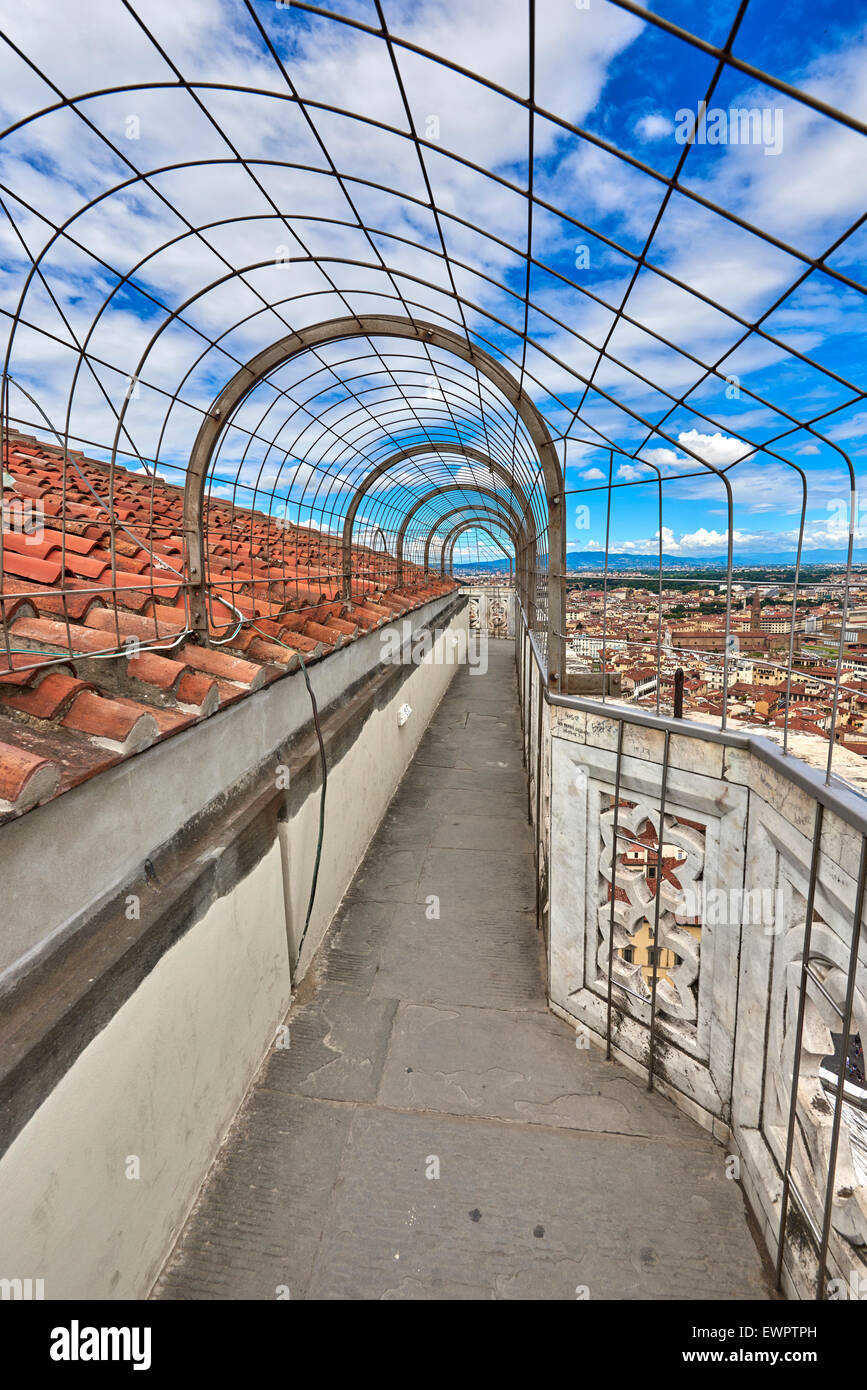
column 162, row 1081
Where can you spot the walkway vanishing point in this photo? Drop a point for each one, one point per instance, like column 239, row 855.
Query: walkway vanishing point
column 424, row 1045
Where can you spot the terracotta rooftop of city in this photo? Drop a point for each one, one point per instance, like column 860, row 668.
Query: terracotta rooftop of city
column 97, row 660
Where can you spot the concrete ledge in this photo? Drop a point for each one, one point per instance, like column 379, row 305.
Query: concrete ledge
column 99, row 834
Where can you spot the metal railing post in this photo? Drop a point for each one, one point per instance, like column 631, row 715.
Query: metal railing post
column 655, row 976
column 614, row 857
column 841, row 1073
column 799, row 1033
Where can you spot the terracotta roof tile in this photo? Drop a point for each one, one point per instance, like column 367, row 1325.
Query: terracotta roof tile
column 219, row 663
column 199, row 691
column 147, row 629
column 50, row 697
column 156, row 670
column 48, row 635
column 324, row 633
column 366, row 617
column 107, row 720
column 28, row 567
column 308, row 646
column 10, row 672
column 86, row 566
column 261, row 650
column 49, row 541
column 168, row 721
column 25, row 778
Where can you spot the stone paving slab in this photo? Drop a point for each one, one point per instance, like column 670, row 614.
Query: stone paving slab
column 467, row 882
column 336, row 1047
column 520, row 1066
column 469, row 801
column 352, row 952
column 258, row 1222
column 389, row 874
column 466, row 959
column 523, row 1212
column 504, row 834
column 490, row 779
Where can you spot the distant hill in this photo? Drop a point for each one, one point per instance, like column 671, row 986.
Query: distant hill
column 595, row 560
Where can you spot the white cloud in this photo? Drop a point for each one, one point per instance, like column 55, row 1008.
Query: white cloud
column 829, row 533
column 718, row 449
column 696, row 542
column 663, row 456
column 631, row 472
column 653, row 126
column 702, row 539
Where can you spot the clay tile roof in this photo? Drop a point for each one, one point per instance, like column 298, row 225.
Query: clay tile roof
column 217, row 663
column 97, row 660
column 28, row 567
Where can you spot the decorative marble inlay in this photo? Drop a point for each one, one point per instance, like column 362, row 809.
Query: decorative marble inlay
column 498, row 617
column 635, row 903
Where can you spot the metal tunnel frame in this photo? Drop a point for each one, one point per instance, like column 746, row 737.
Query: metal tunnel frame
column 414, row 451
column 470, row 525
column 506, row 520
column 534, row 327
column 816, row 265
column 378, row 325
column 484, row 491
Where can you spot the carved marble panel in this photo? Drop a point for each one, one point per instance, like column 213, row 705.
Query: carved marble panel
column 702, row 839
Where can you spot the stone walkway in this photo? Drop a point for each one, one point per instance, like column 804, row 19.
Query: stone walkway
column 423, row 1045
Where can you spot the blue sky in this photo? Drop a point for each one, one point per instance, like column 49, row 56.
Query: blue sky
column 800, row 177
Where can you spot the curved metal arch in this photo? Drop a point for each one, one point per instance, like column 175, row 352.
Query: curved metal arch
column 468, row 524
column 455, row 534
column 556, row 593
column 494, row 517
column 420, row 331
column 507, row 514
column 639, row 257
column 439, row 492
column 413, row 451
column 376, row 325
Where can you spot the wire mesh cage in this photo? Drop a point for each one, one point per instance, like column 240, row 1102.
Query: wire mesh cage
column 304, row 307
